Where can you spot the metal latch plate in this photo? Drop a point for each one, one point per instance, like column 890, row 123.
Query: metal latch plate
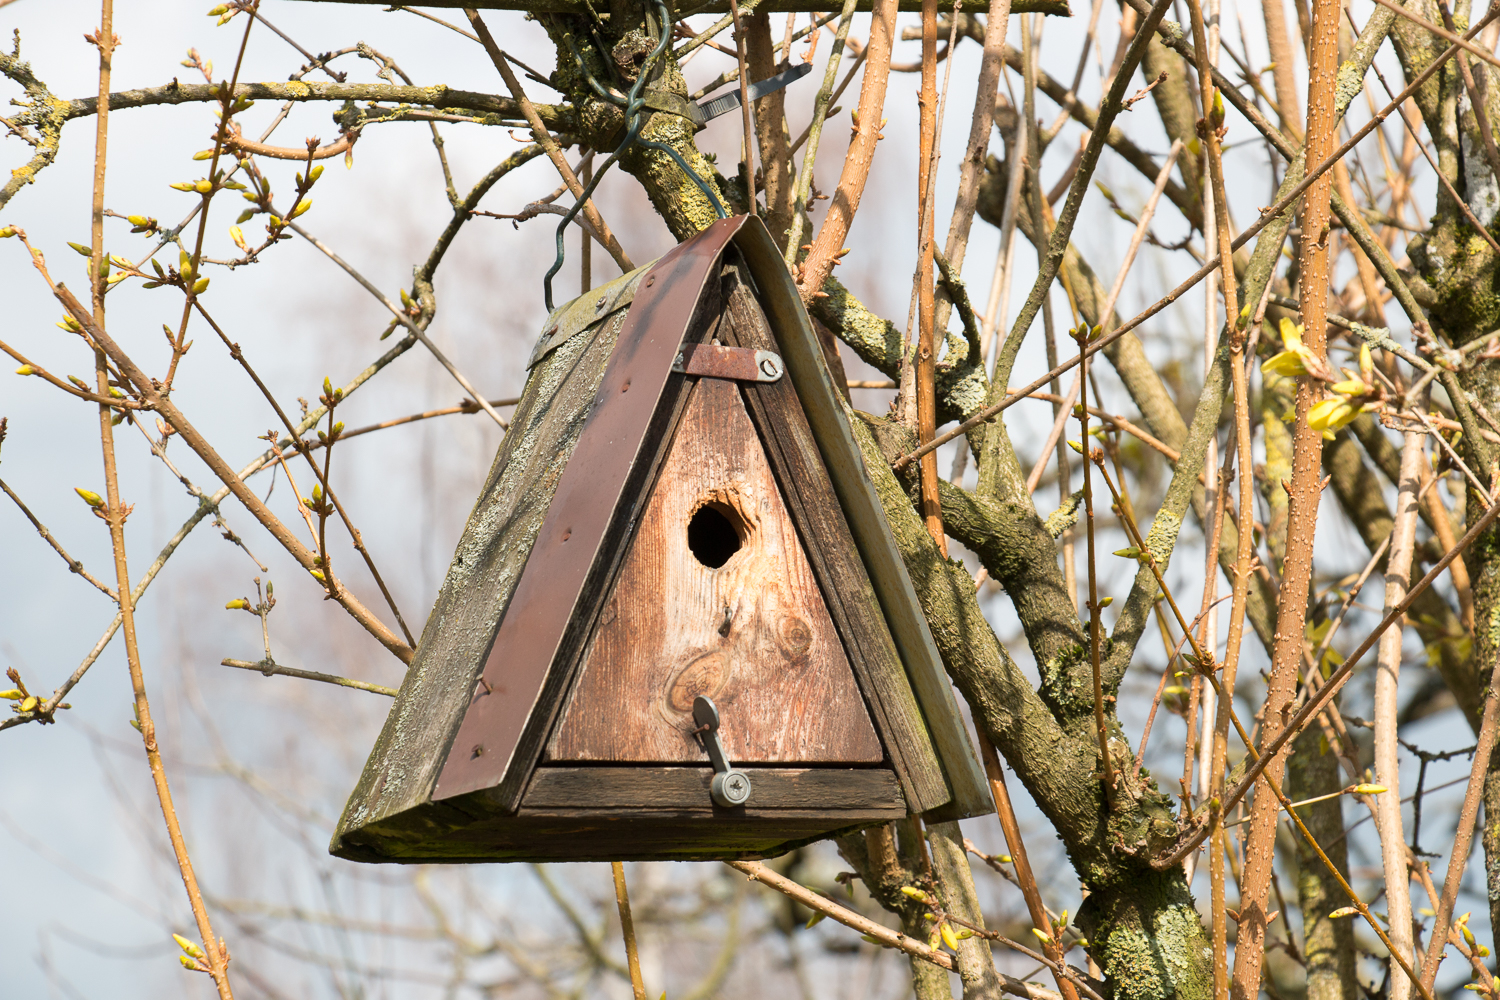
column 740, row 363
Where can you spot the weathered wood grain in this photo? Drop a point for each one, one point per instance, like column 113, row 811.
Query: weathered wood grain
column 867, row 791
column 753, row 634
column 778, row 415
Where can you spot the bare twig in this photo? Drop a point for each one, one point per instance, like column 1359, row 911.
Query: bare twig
column 205, row 451
column 627, row 929
column 270, row 667
column 73, row 564
column 1463, row 841
column 828, row 245
column 544, row 139
column 1387, row 676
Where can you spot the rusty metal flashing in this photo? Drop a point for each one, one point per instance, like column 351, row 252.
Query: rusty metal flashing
column 583, row 312
column 505, row 706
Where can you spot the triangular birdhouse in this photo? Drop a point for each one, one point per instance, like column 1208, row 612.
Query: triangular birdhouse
column 676, row 625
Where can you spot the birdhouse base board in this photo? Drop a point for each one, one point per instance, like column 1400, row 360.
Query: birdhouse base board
column 578, row 813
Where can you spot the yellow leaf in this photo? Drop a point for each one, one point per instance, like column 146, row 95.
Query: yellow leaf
column 1291, row 334
column 1286, row 363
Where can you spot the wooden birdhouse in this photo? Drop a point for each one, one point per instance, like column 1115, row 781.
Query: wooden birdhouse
column 676, row 625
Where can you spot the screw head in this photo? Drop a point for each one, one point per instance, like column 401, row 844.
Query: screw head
column 730, row 788
column 769, row 367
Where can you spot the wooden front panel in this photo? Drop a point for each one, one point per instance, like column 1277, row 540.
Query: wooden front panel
column 716, row 597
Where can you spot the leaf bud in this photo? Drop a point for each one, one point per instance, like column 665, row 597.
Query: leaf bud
column 89, row 497
column 188, row 946
column 29, row 703
column 1344, row 911
column 14, row 694
column 949, row 938
column 82, row 250
column 302, row 206
column 915, row 893
column 203, row 154
column 25, row 370
column 182, row 186
column 238, row 604
column 7, row 232
column 238, row 235
column 245, row 216
column 1042, row 935
column 1365, row 788
column 203, row 186
column 312, row 177
column 200, row 286
column 215, row 12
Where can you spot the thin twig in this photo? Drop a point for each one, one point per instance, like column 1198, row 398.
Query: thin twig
column 544, row 139
column 270, row 667
column 73, row 564
column 1458, row 858
column 627, row 929
column 406, row 321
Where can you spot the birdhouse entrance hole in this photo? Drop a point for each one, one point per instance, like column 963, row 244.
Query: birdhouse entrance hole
column 714, row 534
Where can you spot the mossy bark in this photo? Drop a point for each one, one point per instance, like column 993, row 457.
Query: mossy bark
column 1143, row 929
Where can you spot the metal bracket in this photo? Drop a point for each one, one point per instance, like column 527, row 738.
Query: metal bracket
column 739, row 363
column 730, row 787
column 701, row 113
